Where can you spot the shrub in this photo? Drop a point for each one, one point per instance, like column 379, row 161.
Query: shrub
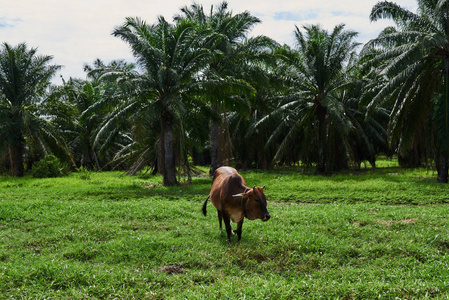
column 49, row 166
column 84, row 173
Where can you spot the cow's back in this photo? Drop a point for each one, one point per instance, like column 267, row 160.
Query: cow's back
column 227, row 182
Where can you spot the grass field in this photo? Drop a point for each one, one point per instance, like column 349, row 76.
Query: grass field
column 370, row 234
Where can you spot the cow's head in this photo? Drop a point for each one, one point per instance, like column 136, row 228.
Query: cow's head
column 254, row 203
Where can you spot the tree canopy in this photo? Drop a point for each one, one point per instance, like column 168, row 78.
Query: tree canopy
column 203, row 91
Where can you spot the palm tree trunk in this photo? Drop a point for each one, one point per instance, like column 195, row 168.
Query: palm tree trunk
column 214, row 143
column 225, row 157
column 220, row 143
column 161, row 153
column 442, row 169
column 16, row 158
column 169, row 170
column 94, row 158
column 321, row 115
column 213, row 148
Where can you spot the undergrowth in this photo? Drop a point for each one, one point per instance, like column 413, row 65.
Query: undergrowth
column 365, row 234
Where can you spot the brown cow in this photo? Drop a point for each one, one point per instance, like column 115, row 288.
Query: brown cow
column 235, row 201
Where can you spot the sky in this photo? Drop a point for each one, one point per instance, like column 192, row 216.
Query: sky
column 77, row 32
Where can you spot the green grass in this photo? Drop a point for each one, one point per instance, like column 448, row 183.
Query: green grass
column 365, row 234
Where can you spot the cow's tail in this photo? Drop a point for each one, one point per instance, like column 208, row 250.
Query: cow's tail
column 204, row 206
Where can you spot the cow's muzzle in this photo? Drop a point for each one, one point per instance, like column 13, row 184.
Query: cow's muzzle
column 266, row 217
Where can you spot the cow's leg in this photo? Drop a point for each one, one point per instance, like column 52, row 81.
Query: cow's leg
column 239, row 230
column 220, row 217
column 227, row 222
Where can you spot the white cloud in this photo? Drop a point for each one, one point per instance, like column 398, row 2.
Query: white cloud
column 79, row 31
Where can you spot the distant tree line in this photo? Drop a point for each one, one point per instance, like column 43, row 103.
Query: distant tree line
column 201, row 91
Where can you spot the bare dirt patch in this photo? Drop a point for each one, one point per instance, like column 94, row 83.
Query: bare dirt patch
column 171, row 269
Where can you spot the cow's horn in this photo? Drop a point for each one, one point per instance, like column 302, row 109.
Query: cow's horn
column 238, row 195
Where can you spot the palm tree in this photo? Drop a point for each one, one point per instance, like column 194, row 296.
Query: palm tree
column 24, row 79
column 237, row 61
column 78, row 108
column 171, row 57
column 113, row 140
column 413, row 59
column 313, row 109
column 71, row 108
